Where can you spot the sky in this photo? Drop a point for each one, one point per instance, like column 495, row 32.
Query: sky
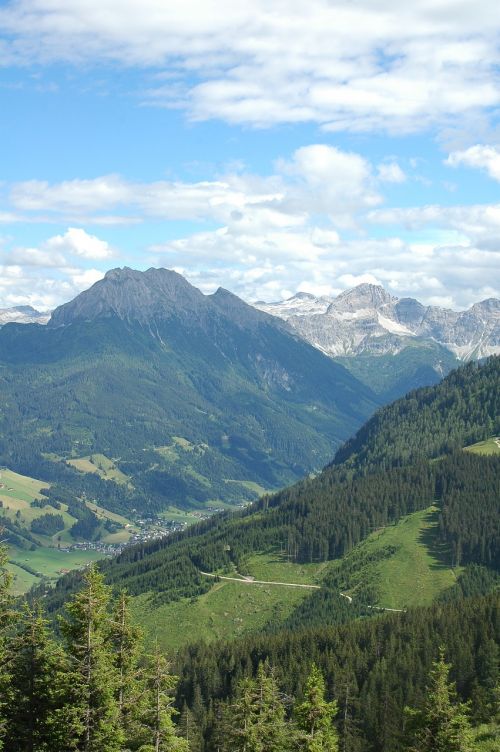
column 267, row 147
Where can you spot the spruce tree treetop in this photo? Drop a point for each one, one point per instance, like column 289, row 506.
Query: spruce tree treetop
column 314, row 717
column 443, row 724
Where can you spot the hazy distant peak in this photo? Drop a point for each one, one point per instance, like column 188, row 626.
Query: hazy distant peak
column 362, row 296
column 368, row 319
column 23, row 314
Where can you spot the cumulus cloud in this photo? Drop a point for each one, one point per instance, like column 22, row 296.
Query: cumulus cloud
column 25, row 285
column 480, row 156
column 51, row 273
column 358, row 66
column 77, row 242
column 306, row 226
column 476, row 224
column 444, row 272
column 391, row 172
column 57, row 251
column 317, row 179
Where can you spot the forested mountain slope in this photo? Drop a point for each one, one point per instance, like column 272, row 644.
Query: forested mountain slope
column 463, row 409
column 375, row 664
column 323, row 518
column 374, row 668
column 191, row 395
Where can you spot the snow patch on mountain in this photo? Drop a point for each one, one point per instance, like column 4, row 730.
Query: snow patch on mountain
column 368, row 319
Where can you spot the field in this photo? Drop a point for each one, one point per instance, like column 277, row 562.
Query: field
column 249, row 485
column 490, row 446
column 102, row 465
column 17, row 488
column 50, row 562
column 172, row 514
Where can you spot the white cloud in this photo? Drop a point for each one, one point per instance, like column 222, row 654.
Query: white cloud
column 317, row 179
column 304, row 227
column 479, row 156
column 260, row 267
column 21, row 285
column 476, row 224
column 391, row 172
column 51, row 274
column 361, row 66
column 77, row 242
column 57, row 252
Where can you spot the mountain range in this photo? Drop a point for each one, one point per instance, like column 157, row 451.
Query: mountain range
column 367, row 319
column 179, row 389
column 391, row 344
column 195, row 397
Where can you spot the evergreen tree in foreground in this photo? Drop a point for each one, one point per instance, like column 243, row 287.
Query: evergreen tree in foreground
column 5, row 618
column 95, row 681
column 157, row 713
column 255, row 721
column 314, row 717
column 443, row 723
column 125, row 644
column 38, row 715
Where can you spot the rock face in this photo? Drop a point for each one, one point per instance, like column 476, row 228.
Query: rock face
column 132, row 296
column 368, row 320
column 23, row 315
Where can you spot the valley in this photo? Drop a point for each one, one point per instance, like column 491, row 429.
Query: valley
column 36, row 555
column 249, row 376
column 167, row 457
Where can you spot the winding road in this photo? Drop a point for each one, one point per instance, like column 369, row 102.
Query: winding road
column 250, row 581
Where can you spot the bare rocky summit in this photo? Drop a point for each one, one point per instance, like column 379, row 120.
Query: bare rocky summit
column 368, row 320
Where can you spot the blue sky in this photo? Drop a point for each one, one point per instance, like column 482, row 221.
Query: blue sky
column 266, row 147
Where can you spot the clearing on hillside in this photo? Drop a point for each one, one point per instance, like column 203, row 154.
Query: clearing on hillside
column 490, row 446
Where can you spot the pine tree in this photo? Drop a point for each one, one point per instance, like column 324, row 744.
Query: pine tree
column 443, row 723
column 255, row 722
column 5, row 620
column 190, row 729
column 125, row 641
column 314, row 717
column 157, row 711
column 38, row 717
column 86, row 630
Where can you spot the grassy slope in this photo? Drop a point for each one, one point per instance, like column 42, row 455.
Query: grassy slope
column 229, row 609
column 413, row 575
column 418, row 570
column 102, row 465
column 488, row 447
column 48, row 561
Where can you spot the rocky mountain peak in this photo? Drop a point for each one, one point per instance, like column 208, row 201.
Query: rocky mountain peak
column 368, row 319
column 131, row 296
column 23, row 314
column 362, row 296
